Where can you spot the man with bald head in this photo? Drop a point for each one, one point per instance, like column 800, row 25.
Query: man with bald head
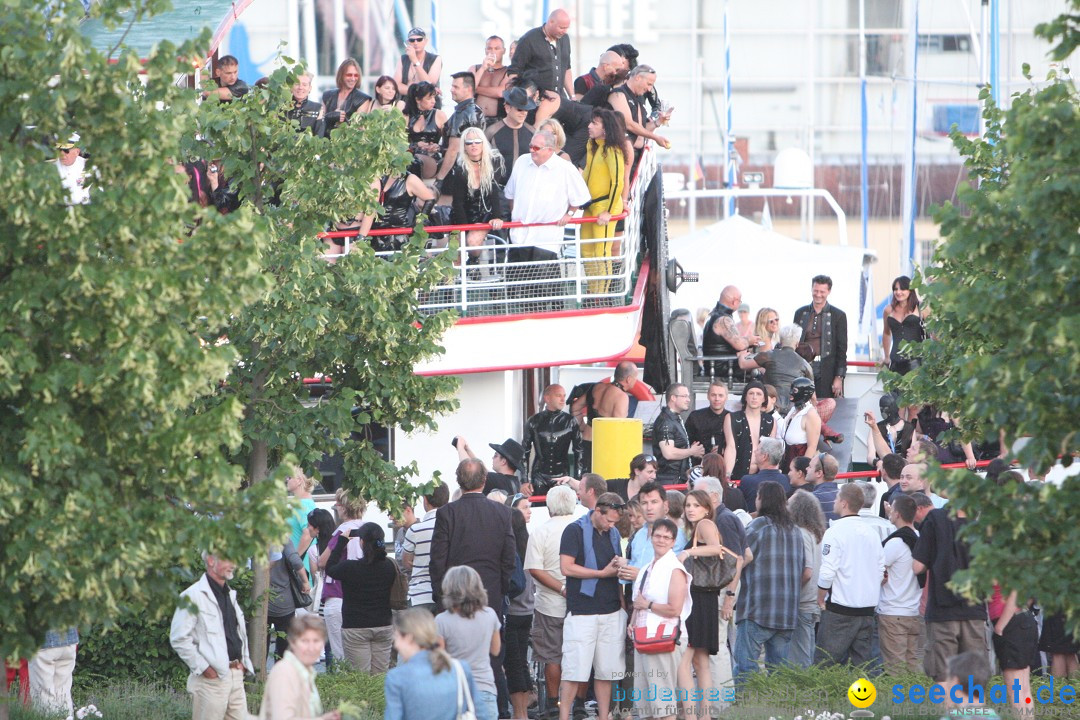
column 721, row 337
column 550, row 435
column 546, row 49
column 606, row 400
column 593, row 87
column 913, row 480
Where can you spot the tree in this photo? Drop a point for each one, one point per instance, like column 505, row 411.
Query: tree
column 356, row 320
column 1006, row 326
column 1065, row 29
column 107, row 480
column 131, row 438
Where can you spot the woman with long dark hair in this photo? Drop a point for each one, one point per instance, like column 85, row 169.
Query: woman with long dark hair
column 426, row 126
column 342, row 102
column 903, row 324
column 365, row 612
column 712, row 465
column 605, row 172
column 386, row 96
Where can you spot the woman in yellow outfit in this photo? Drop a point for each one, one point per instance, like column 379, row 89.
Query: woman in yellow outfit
column 605, row 170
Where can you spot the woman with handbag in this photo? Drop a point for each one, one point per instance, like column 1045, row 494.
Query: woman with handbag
column 427, row 683
column 365, row 611
column 712, row 568
column 662, row 606
column 288, row 586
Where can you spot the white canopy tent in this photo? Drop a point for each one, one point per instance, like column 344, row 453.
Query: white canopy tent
column 772, row 270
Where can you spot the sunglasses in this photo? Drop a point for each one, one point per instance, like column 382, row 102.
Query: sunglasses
column 538, row 148
column 416, row 40
column 474, row 142
column 613, row 506
column 352, row 74
column 518, row 498
column 67, row 150
column 650, row 458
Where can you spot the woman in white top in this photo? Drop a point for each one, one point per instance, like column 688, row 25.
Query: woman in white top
column 802, row 426
column 661, row 597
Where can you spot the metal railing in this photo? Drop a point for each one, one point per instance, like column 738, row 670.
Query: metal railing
column 500, row 277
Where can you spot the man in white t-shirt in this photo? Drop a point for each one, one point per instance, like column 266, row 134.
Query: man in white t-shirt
column 72, row 168
column 901, row 628
column 543, row 188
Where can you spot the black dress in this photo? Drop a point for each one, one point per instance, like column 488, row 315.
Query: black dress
column 909, row 331
column 399, row 210
column 703, row 625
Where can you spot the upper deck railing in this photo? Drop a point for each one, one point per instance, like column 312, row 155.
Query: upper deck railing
column 492, row 279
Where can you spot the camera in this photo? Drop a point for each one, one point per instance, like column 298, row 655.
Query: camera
column 213, row 168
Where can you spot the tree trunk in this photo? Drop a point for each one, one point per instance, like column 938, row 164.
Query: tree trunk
column 260, row 597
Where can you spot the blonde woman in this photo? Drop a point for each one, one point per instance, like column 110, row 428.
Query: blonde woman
column 555, row 127
column 424, row 685
column 477, row 197
column 767, row 327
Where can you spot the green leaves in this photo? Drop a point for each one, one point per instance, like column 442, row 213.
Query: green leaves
column 1005, row 329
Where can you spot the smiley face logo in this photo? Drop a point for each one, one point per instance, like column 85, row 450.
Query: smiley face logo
column 862, row 693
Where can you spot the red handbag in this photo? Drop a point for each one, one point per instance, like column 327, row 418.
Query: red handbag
column 661, row 641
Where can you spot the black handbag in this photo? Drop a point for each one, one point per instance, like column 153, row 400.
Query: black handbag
column 712, row 574
column 300, row 598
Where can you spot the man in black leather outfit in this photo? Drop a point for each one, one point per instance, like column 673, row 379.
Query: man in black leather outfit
column 551, row 433
column 466, row 114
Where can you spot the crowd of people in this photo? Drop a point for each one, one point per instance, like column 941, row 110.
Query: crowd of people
column 521, row 141
column 630, row 595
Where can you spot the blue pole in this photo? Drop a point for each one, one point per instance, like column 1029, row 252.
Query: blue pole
column 914, row 136
column 864, row 180
column 995, row 58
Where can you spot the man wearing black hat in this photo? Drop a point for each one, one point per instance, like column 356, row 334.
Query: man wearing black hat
column 417, row 64
column 511, row 135
column 508, row 458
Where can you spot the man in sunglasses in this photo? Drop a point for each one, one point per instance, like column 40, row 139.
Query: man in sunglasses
column 72, row 168
column 417, row 64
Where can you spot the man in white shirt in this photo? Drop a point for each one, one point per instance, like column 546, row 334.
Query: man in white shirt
column 868, row 514
column 542, row 562
column 543, row 188
column 900, row 626
column 852, row 565
column 72, row 168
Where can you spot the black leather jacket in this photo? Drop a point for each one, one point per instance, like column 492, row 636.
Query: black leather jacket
column 551, row 433
column 467, row 114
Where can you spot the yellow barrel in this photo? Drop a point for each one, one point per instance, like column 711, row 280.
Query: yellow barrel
column 615, row 442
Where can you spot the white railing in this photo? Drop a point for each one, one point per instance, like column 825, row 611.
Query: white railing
column 489, row 280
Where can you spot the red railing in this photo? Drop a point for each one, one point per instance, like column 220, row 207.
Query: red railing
column 840, row 476
column 353, row 232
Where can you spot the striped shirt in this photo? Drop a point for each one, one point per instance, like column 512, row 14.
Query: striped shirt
column 418, row 542
column 773, row 580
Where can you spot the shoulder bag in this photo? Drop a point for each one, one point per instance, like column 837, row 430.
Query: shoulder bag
column 663, row 640
column 301, row 599
column 399, row 591
column 712, row 574
column 465, row 708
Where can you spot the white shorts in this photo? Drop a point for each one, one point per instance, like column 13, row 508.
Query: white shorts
column 594, row 643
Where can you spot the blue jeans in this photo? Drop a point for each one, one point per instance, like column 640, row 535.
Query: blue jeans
column 486, row 706
column 801, row 651
column 749, row 637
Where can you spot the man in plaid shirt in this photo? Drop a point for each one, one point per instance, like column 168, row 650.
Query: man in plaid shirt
column 768, row 606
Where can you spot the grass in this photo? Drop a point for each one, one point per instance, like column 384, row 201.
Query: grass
column 786, row 694
column 359, row 696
